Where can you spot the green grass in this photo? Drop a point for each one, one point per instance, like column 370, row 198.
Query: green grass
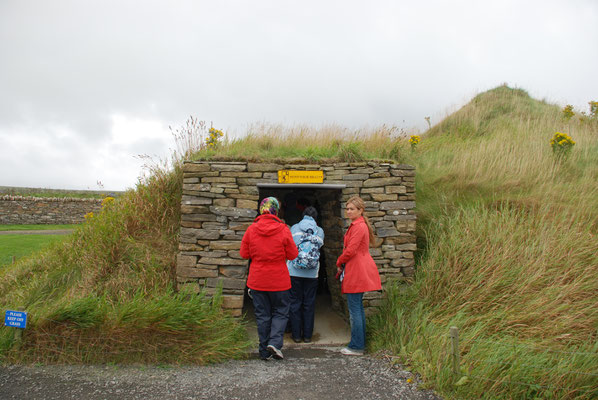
column 106, row 293
column 35, row 227
column 20, row 246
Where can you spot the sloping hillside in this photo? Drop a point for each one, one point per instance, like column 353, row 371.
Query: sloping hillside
column 508, row 254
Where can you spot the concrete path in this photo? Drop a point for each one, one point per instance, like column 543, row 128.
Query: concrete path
column 330, row 329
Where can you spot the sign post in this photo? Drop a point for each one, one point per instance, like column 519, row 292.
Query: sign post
column 291, row 176
column 16, row 319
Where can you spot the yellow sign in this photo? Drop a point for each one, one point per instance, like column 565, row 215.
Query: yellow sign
column 288, row 176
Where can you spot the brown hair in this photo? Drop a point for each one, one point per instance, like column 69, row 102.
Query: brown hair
column 360, row 204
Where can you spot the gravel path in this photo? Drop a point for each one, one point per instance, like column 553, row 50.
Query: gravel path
column 309, row 373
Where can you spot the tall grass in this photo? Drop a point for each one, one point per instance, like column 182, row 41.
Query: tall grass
column 107, row 292
column 303, row 143
column 508, row 253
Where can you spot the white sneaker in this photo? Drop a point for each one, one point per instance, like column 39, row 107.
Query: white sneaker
column 351, row 352
column 275, row 352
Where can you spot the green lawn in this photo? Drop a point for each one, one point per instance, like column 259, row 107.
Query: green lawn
column 34, row 227
column 21, row 246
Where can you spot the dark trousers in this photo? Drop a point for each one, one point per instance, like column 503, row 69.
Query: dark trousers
column 303, row 306
column 271, row 316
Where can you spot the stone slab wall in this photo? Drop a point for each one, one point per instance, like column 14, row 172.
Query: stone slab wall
column 220, row 201
column 19, row 210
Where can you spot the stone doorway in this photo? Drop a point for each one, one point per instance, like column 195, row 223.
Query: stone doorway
column 327, row 201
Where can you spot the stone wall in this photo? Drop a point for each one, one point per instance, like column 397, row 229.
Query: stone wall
column 19, row 210
column 220, row 201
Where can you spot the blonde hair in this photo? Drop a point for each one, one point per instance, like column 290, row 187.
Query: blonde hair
column 360, row 204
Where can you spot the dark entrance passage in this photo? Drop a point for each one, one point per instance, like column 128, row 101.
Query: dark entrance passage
column 327, row 201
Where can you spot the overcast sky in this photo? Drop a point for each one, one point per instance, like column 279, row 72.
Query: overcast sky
column 85, row 86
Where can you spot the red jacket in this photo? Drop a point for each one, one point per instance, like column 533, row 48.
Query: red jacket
column 361, row 272
column 268, row 243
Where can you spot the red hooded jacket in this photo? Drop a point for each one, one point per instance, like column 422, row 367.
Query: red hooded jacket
column 268, row 243
column 361, row 272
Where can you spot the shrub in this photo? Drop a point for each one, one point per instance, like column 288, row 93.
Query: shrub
column 561, row 144
column 568, row 112
column 414, row 141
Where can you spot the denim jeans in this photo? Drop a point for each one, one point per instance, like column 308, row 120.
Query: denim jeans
column 357, row 317
column 271, row 316
column 303, row 306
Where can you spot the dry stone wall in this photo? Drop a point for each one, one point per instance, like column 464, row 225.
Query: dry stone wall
column 20, row 210
column 220, row 200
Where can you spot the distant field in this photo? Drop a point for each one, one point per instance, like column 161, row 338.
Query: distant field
column 34, row 227
column 20, row 246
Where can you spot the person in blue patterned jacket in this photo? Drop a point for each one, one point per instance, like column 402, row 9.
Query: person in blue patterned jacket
column 309, row 238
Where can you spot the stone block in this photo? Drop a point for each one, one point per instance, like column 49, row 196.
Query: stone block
column 197, row 187
column 233, row 212
column 380, row 175
column 396, row 189
column 222, row 261
column 217, row 226
column 402, row 262
column 239, row 272
column 218, row 179
column 263, row 167
column 232, row 301
column 195, row 167
column 407, row 246
column 207, row 234
column 191, row 224
column 385, row 232
column 186, row 260
column 382, row 182
column 239, row 226
column 189, row 247
column 213, row 254
column 384, row 197
column 227, row 283
column 198, row 217
column 355, row 177
column 250, row 204
column 234, row 254
column 402, row 172
column 195, row 201
column 397, row 205
column 193, row 209
column 242, row 174
column 187, row 272
column 224, row 202
column 367, row 170
column 229, row 167
column 252, row 190
column 383, row 224
column 393, row 254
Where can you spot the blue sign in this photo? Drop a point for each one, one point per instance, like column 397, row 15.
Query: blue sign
column 15, row 319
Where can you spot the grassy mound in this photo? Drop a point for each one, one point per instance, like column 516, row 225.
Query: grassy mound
column 508, row 254
column 106, row 293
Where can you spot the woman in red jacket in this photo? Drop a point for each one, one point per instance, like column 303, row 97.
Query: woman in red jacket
column 360, row 274
column 268, row 243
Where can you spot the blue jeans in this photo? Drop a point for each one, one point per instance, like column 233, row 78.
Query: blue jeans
column 303, row 306
column 271, row 316
column 357, row 317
